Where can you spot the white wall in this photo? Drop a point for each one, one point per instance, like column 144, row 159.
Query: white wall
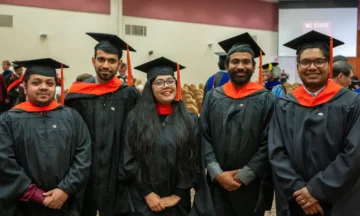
column 66, row 40
column 187, row 43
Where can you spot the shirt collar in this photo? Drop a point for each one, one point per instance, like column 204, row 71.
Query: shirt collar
column 314, row 94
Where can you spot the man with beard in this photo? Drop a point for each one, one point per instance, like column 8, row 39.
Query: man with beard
column 45, row 152
column 234, row 122
column 314, row 139
column 104, row 102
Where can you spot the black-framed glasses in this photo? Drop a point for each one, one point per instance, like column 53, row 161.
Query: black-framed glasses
column 161, row 83
column 305, row 63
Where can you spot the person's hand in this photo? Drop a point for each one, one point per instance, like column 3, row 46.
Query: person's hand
column 236, row 178
column 226, row 180
column 314, row 209
column 154, row 202
column 55, row 199
column 304, row 198
column 7, row 101
column 170, row 201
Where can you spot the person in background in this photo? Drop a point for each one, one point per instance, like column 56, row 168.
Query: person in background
column 342, row 73
column 314, row 146
column 6, row 69
column 219, row 78
column 272, row 74
column 161, row 145
column 234, row 122
column 45, row 150
column 104, row 102
column 83, row 77
column 3, row 95
column 15, row 90
column 339, row 58
column 123, row 73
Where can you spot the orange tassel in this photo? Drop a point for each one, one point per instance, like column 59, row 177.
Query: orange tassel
column 260, row 70
column 331, row 59
column 62, row 86
column 178, row 87
column 130, row 76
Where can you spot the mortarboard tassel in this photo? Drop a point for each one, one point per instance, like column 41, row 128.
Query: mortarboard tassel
column 331, row 58
column 62, row 85
column 130, row 76
column 178, row 87
column 260, row 69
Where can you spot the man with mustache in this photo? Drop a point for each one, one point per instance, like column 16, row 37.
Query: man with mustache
column 234, row 122
column 314, row 139
column 104, row 102
column 45, row 150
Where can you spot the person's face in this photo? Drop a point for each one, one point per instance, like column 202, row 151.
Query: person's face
column 345, row 81
column 5, row 66
column 19, row 71
column 40, row 90
column 164, row 89
column 106, row 65
column 313, row 68
column 267, row 75
column 122, row 71
column 241, row 67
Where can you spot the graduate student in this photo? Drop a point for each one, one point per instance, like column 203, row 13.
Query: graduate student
column 104, row 102
column 314, row 137
column 234, row 124
column 45, row 152
column 161, row 144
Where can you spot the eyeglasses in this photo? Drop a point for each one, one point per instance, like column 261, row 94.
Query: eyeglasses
column 161, row 83
column 305, row 63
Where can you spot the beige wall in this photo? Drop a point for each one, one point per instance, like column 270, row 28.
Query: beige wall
column 187, row 43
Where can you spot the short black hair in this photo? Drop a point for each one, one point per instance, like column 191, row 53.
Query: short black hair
column 240, row 48
column 341, row 67
column 339, row 58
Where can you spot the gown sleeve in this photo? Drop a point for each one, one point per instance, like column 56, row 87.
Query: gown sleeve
column 13, row 181
column 283, row 170
column 79, row 171
column 329, row 184
column 211, row 161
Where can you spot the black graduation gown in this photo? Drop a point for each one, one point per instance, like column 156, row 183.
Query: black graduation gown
column 51, row 150
column 104, row 116
column 162, row 174
column 235, row 135
column 317, row 147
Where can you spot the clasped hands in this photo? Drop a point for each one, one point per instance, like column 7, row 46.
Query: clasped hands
column 229, row 180
column 55, row 199
column 308, row 203
column 158, row 204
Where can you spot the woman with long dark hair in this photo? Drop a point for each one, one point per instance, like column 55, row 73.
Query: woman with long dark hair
column 161, row 144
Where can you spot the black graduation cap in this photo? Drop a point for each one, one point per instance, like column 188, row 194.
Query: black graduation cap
column 112, row 39
column 266, row 66
column 312, row 37
column 159, row 66
column 241, row 40
column 44, row 66
column 222, row 55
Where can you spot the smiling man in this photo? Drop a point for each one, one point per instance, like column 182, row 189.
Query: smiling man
column 104, row 102
column 314, row 139
column 45, row 152
column 234, row 121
